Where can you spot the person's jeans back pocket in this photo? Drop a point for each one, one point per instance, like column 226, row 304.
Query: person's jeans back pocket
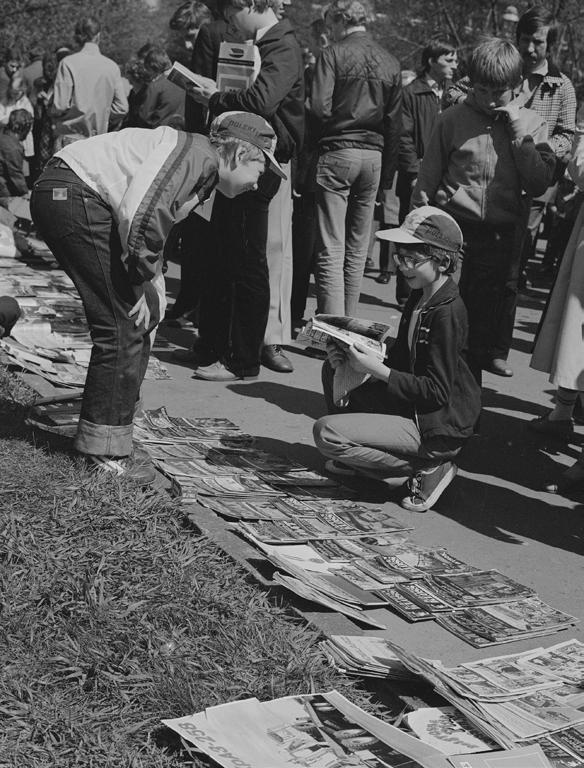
column 51, row 207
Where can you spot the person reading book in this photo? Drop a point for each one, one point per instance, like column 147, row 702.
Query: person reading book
column 105, row 207
column 414, row 413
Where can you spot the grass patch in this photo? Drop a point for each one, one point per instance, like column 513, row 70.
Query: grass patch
column 115, row 613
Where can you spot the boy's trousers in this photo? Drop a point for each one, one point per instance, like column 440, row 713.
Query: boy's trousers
column 489, row 285
column 375, row 439
column 80, row 230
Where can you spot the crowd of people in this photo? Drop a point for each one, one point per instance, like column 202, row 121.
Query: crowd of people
column 256, row 189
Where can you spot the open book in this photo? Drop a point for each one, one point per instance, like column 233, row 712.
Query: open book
column 237, row 68
column 186, row 78
column 323, row 329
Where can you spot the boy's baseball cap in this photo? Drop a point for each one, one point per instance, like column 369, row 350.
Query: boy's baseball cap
column 249, row 127
column 428, row 225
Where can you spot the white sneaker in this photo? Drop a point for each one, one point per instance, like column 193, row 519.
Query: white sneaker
column 426, row 487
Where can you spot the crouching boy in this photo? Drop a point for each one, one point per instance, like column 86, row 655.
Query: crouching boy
column 485, row 159
column 105, row 206
column 416, row 411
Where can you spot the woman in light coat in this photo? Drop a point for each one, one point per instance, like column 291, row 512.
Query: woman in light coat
column 559, row 349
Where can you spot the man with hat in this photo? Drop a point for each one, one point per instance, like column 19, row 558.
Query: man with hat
column 105, row 206
column 416, row 409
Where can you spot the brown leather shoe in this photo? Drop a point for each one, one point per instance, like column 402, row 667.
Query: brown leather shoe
column 274, row 358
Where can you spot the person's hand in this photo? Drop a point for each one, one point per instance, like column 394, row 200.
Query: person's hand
column 202, row 90
column 363, row 360
column 335, row 354
column 510, row 113
column 140, row 311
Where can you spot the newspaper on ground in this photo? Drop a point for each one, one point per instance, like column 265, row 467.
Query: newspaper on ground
column 366, row 656
column 345, row 331
column 520, row 757
column 320, row 730
column 446, row 729
column 510, row 698
column 505, row 623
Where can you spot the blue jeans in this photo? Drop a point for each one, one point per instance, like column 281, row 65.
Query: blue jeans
column 374, row 438
column 346, row 186
column 80, row 230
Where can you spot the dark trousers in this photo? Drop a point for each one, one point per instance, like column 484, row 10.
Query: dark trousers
column 303, row 248
column 235, row 298
column 9, row 314
column 488, row 286
column 80, row 230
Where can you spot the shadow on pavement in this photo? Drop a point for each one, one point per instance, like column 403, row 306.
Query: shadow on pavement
column 511, row 457
column 288, row 398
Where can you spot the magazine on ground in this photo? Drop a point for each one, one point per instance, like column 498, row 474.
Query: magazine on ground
column 446, row 729
column 321, row 730
column 521, row 757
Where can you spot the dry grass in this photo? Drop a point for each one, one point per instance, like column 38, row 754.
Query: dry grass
column 116, row 613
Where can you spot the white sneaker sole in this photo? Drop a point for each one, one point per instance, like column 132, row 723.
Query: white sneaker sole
column 434, row 496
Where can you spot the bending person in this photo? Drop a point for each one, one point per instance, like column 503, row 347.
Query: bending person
column 105, row 206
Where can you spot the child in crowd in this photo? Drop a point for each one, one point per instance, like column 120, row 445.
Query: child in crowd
column 413, row 415
column 105, row 206
column 12, row 178
column 9, row 314
column 486, row 157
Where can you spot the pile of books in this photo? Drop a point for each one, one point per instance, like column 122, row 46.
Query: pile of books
column 327, row 548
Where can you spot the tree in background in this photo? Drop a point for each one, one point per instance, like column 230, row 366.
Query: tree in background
column 403, row 26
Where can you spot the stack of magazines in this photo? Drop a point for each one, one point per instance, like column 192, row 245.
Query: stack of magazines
column 326, row 730
column 51, row 339
column 530, row 698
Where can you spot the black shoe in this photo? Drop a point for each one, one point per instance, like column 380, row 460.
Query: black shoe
column 498, row 366
column 274, row 358
column 195, row 356
column 383, row 278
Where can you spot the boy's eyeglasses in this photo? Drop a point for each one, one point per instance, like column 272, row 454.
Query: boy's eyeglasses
column 409, row 262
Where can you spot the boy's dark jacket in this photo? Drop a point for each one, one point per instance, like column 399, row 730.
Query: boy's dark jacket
column 433, row 381
column 277, row 94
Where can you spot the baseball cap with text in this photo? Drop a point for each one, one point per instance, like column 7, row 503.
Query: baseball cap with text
column 428, row 225
column 248, row 127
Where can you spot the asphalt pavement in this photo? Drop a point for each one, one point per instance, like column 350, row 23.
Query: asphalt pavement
column 495, row 513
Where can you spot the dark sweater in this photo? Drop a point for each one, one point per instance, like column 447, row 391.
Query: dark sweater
column 12, row 181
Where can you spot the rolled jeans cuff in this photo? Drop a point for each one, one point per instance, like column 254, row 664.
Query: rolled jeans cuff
column 103, row 439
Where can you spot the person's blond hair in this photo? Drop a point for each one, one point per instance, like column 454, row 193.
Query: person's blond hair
column 227, row 147
column 496, row 63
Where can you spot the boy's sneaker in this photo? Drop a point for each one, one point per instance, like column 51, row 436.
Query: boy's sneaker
column 338, row 468
column 426, row 487
column 138, row 467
